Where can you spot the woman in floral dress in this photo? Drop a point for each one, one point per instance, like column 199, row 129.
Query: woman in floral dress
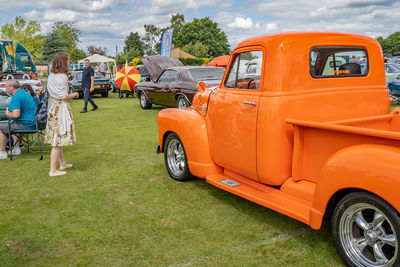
column 60, row 129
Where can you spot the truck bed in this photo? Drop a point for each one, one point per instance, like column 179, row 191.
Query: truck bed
column 316, row 142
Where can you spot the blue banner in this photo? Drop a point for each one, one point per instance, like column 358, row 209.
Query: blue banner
column 166, row 42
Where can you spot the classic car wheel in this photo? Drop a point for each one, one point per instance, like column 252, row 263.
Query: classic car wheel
column 144, row 102
column 182, row 102
column 175, row 159
column 366, row 230
column 251, row 84
column 104, row 94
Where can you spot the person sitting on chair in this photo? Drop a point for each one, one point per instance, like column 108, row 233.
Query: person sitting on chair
column 28, row 88
column 22, row 112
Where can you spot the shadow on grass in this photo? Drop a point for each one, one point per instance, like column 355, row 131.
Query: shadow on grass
column 244, row 206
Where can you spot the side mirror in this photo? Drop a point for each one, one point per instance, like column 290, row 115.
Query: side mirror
column 201, row 87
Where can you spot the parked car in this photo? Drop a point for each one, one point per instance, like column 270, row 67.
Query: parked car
column 101, row 84
column 145, row 75
column 390, row 70
column 4, row 102
column 22, row 78
column 394, row 60
column 175, row 87
column 306, row 143
column 3, row 92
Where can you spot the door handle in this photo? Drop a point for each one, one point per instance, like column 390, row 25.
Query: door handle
column 250, row 103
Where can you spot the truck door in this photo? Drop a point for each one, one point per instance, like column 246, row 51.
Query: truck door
column 232, row 118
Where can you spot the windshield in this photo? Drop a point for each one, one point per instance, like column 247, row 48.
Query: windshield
column 392, row 68
column 97, row 75
column 207, row 74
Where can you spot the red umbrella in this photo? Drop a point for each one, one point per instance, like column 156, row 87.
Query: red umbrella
column 221, row 61
column 127, row 77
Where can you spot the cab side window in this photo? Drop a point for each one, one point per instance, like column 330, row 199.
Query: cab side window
column 25, row 60
column 245, row 71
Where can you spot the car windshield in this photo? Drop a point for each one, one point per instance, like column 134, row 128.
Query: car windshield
column 207, row 74
column 392, row 68
column 393, row 60
column 97, row 75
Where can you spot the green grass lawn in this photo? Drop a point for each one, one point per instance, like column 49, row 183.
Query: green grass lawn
column 118, row 207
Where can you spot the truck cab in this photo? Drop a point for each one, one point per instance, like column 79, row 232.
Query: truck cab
column 19, row 60
column 295, row 134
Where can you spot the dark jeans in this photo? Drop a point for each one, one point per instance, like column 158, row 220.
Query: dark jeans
column 86, row 98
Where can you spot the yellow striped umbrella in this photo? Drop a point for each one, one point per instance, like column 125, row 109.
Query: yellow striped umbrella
column 127, row 77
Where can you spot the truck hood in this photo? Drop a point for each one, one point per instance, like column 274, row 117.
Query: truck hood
column 156, row 64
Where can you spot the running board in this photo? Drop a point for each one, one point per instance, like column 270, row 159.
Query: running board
column 263, row 195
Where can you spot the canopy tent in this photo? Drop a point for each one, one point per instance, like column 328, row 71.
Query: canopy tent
column 96, row 58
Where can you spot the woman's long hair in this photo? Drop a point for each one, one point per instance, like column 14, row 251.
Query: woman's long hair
column 28, row 88
column 59, row 63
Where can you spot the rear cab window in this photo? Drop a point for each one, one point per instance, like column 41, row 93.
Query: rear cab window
column 168, row 76
column 338, row 61
column 207, row 74
column 245, row 71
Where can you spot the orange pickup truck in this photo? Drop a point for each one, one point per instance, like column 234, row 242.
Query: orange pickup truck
column 300, row 124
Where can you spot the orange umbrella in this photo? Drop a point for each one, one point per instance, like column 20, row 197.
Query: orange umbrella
column 127, row 77
column 221, row 61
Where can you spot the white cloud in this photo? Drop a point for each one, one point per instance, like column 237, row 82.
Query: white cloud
column 241, row 23
column 271, row 27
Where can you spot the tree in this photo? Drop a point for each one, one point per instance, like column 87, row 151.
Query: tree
column 390, row 45
column 69, row 35
column 134, row 43
column 52, row 44
column 177, row 21
column 128, row 57
column 25, row 33
column 152, row 39
column 206, row 32
column 196, row 49
column 97, row 50
column 77, row 54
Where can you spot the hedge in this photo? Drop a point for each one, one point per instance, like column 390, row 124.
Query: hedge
column 187, row 61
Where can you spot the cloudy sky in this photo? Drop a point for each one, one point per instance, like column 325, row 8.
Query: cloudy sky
column 107, row 22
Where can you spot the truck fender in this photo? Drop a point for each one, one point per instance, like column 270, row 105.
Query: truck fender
column 191, row 128
column 369, row 167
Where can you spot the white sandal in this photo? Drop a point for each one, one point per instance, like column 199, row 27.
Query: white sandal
column 65, row 167
column 57, row 173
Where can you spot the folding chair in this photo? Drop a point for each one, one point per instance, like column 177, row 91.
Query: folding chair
column 29, row 137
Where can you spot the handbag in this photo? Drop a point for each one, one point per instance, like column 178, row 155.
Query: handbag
column 42, row 114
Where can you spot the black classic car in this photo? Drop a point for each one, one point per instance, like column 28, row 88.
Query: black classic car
column 174, row 86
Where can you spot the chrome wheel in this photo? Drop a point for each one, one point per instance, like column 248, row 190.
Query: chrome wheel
column 143, row 100
column 176, row 159
column 182, row 103
column 367, row 236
